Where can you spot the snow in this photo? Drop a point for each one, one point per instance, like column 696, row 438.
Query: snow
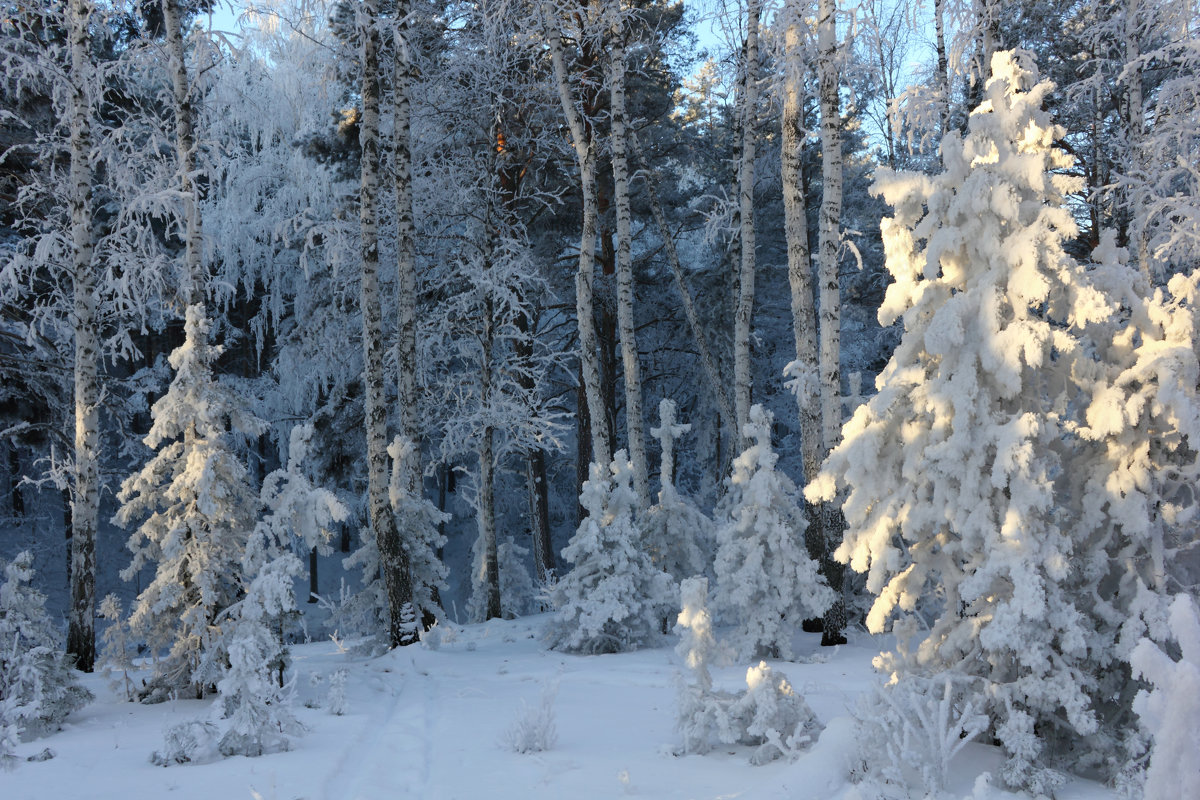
column 424, row 723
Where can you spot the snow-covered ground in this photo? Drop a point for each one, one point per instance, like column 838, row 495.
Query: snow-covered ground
column 426, row 724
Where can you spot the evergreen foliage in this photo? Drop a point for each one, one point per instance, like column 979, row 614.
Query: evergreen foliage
column 766, row 582
column 197, row 511
column 614, row 598
column 38, row 688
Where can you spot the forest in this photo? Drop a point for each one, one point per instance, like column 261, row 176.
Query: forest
column 738, row 333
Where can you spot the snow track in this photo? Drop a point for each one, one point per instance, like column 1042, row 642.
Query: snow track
column 392, row 753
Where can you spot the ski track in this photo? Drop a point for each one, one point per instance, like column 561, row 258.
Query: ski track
column 392, row 753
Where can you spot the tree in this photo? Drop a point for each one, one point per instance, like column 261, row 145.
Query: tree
column 393, row 557
column 614, row 598
column 952, row 467
column 85, row 509
column 830, row 291
column 625, row 319
column 766, row 582
column 198, row 510
column 744, row 310
column 37, row 687
column 675, row 532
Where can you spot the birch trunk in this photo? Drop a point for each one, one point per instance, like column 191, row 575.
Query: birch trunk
column 625, row 319
column 716, row 385
column 830, row 325
column 393, row 559
column 487, row 457
column 943, row 62
column 745, row 298
column 406, row 258
column 81, row 633
column 795, row 223
column 185, row 151
column 585, row 154
column 1135, row 131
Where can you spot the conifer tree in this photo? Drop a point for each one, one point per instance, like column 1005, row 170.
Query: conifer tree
column 197, row 510
column 614, row 598
column 952, row 468
column 766, row 582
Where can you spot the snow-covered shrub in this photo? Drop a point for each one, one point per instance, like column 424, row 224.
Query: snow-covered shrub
column 257, row 707
column 37, row 685
column 916, row 724
column 191, row 742
column 1170, row 710
column 772, row 716
column 117, row 652
column 335, row 701
column 534, row 729
column 677, row 534
column 964, row 475
column 198, row 510
column 766, row 582
column 614, row 598
column 769, row 714
column 518, row 593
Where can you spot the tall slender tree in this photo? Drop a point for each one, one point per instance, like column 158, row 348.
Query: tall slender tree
column 81, row 631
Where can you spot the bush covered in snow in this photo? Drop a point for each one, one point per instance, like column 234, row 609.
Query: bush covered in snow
column 614, row 598
column 37, row 685
column 766, row 583
column 915, row 725
column 769, row 715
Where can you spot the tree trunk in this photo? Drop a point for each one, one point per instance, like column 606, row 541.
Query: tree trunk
column 625, row 318
column 806, row 367
column 393, row 559
column 406, row 253
column 830, row 328
column 193, row 283
column 314, row 589
column 943, row 63
column 745, row 297
column 81, row 631
column 585, row 154
column 487, row 488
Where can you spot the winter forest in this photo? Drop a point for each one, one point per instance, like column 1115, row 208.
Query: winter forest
column 581, row 398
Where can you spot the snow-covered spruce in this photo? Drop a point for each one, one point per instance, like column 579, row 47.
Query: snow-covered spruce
column 677, row 534
column 116, row 650
column 198, row 511
column 614, row 598
column 37, row 685
column 1170, row 711
column 954, row 469
column 765, row 582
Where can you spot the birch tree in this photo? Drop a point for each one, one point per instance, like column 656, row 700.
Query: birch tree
column 830, row 299
column 81, row 632
column 585, row 154
column 625, row 317
column 744, row 308
column 393, row 557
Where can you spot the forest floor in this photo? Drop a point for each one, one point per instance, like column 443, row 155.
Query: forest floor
column 430, row 724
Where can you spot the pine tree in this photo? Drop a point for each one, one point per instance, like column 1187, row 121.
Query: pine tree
column 614, row 598
column 198, row 510
column 766, row 582
column 952, row 467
